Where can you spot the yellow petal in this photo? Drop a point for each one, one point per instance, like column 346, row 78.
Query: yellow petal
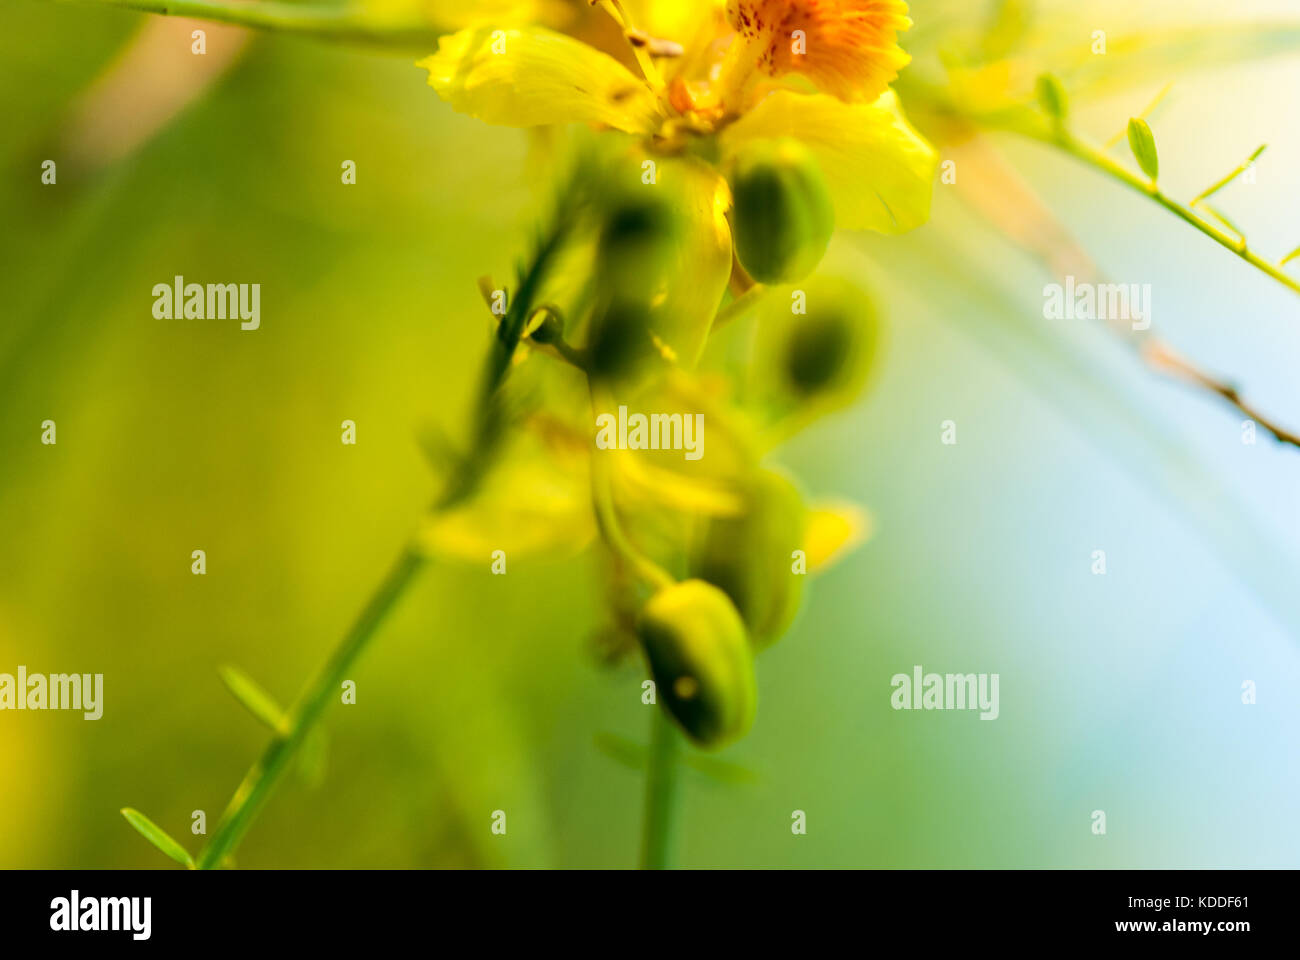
column 682, row 310
column 682, row 283
column 848, row 48
column 641, row 482
column 832, row 531
column 532, row 76
column 536, row 499
column 712, row 482
column 879, row 169
column 676, row 20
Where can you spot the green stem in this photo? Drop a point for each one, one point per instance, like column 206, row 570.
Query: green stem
column 280, row 17
column 570, row 354
column 1026, row 123
column 1095, row 158
column 260, row 780
column 262, row 777
column 659, row 828
column 665, row 742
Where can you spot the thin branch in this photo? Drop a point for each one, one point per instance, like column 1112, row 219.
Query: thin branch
column 262, row 777
column 1099, row 161
column 1029, row 123
column 256, row 787
column 1164, row 359
column 279, row 17
column 1224, row 181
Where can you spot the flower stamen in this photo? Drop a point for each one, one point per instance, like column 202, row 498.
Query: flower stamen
column 641, row 50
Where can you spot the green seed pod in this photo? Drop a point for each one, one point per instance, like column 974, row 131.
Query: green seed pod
column 817, row 344
column 661, row 260
column 817, row 351
column 546, row 325
column 637, row 244
column 701, row 661
column 621, row 339
column 782, row 211
column 750, row 556
column 634, row 256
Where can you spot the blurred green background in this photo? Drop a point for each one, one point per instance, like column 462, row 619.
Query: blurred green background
column 1119, row 693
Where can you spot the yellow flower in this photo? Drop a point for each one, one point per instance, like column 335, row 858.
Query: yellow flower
column 714, row 76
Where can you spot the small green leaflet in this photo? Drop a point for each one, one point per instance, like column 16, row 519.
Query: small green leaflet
column 1220, row 184
column 157, row 836
column 1051, row 96
column 258, row 702
column 1143, row 144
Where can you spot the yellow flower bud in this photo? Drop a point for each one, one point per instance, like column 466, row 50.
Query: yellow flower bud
column 701, row 661
column 782, row 211
column 750, row 556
